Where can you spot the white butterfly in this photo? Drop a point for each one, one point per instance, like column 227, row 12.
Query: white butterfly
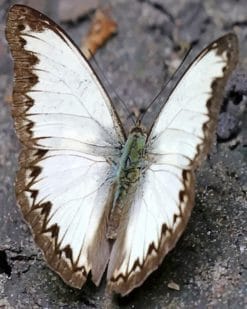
column 94, row 198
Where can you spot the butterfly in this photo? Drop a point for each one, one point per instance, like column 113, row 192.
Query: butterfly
column 95, row 197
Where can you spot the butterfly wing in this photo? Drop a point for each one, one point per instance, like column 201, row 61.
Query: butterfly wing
column 69, row 132
column 179, row 138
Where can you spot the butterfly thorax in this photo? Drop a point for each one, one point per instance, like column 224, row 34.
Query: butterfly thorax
column 129, row 170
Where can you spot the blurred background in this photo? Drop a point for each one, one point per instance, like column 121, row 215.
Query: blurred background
column 137, row 46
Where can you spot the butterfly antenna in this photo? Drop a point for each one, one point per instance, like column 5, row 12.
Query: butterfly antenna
column 140, row 118
column 111, row 88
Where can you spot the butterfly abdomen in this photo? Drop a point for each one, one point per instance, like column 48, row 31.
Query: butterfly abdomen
column 128, row 175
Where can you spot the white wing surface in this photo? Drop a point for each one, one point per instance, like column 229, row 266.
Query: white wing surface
column 179, row 138
column 69, row 130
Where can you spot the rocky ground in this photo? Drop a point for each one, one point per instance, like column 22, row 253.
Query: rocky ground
column 209, row 262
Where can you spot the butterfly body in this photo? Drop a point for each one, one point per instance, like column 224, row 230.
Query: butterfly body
column 90, row 205
column 130, row 167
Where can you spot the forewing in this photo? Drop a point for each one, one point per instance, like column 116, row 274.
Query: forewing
column 181, row 135
column 69, row 132
column 183, row 131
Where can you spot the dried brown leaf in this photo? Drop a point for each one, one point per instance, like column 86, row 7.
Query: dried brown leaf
column 101, row 29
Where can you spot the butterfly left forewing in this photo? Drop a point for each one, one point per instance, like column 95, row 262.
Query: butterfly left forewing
column 179, row 138
column 69, row 133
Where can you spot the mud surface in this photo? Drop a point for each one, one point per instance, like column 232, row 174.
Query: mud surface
column 209, row 262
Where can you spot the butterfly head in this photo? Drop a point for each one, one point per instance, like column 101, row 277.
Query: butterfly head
column 138, row 131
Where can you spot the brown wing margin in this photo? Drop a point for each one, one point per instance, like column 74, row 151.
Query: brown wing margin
column 124, row 283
